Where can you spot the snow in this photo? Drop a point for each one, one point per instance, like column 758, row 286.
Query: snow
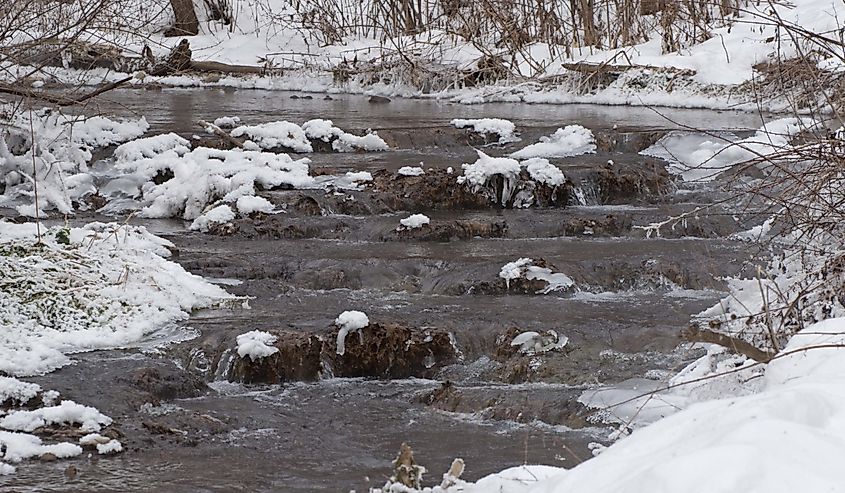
column 414, row 221
column 203, row 176
column 350, row 143
column 282, row 135
column 505, row 129
column 63, row 150
column 68, row 412
column 542, row 171
column 411, row 171
column 219, row 215
column 248, row 204
column 150, row 147
column 110, row 287
column 256, row 344
column 700, row 157
column 349, row 321
column 319, row 129
column 571, row 140
column 522, row 268
column 531, row 342
column 19, row 446
column 104, row 445
column 227, row 121
column 12, row 389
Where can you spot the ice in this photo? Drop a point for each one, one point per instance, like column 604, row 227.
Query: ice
column 699, row 157
column 256, row 344
column 522, row 268
column 571, row 140
column 531, row 342
column 505, row 129
column 414, row 221
column 349, row 321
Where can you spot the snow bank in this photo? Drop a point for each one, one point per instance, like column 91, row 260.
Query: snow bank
column 349, row 321
column 414, row 221
column 109, row 286
column 698, row 157
column 505, row 129
column 522, row 268
column 571, row 140
column 256, row 344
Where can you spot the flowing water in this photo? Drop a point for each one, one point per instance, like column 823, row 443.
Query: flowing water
column 302, row 270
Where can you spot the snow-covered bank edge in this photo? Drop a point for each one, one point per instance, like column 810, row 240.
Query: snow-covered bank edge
column 70, row 290
column 637, row 87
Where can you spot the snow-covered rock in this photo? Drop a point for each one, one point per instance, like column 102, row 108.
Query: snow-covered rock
column 505, row 129
column 414, row 221
column 219, row 215
column 349, row 321
column 12, row 389
column 571, row 140
column 256, row 344
column 275, row 135
column 542, row 171
column 248, row 204
column 522, row 268
column 68, row 412
column 411, row 171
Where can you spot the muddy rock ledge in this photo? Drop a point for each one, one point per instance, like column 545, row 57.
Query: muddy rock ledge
column 383, row 350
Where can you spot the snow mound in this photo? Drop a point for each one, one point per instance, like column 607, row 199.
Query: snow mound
column 227, row 121
column 68, row 412
column 250, row 203
column 204, row 176
column 20, row 446
column 505, row 129
column 411, row 171
column 522, row 268
column 219, row 215
column 276, row 135
column 96, row 287
column 697, row 157
column 349, row 321
column 414, row 221
column 542, row 171
column 351, row 143
column 571, row 140
column 12, row 389
column 104, row 445
column 150, row 147
column 256, row 344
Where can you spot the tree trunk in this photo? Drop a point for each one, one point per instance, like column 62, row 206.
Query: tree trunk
column 186, row 19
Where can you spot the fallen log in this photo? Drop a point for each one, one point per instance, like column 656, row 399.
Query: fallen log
column 59, row 99
column 695, row 333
